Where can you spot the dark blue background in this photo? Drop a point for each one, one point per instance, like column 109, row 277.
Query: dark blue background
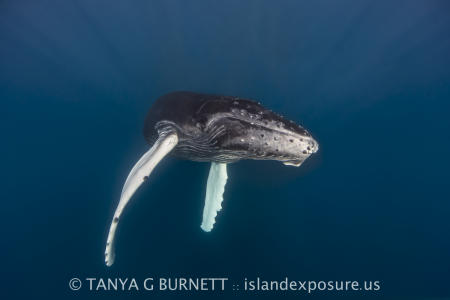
column 370, row 79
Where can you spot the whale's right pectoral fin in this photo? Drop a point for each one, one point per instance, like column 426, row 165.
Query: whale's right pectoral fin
column 140, row 172
column 214, row 194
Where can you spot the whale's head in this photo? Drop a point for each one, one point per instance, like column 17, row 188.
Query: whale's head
column 254, row 132
column 226, row 129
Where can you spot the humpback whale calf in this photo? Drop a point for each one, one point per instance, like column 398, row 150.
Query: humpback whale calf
column 215, row 129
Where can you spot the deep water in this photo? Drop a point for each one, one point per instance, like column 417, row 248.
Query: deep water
column 369, row 79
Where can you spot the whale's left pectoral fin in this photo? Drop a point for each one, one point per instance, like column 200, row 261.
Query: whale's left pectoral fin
column 214, row 194
column 140, row 172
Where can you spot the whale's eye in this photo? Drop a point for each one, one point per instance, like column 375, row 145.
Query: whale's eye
column 291, row 140
column 262, row 135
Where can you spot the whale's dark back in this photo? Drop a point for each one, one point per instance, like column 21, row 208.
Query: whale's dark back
column 178, row 107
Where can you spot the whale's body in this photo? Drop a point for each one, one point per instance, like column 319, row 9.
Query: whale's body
column 216, row 129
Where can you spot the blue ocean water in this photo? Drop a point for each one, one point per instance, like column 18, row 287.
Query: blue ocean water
column 369, row 79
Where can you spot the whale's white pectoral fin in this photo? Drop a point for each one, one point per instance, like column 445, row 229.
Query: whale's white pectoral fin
column 214, row 194
column 140, row 172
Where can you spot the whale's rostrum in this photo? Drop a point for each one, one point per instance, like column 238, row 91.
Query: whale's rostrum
column 216, row 129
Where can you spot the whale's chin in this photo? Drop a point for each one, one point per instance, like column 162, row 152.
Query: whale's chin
column 295, row 163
